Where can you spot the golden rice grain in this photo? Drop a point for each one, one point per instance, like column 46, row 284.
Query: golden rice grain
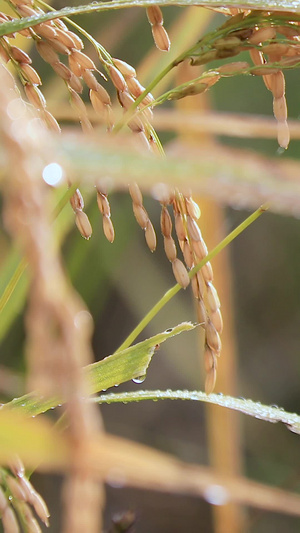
column 64, row 38
column 201, row 313
column 76, row 200
column 127, row 70
column 180, row 273
column 108, row 228
column 17, row 467
column 90, row 80
column 283, row 134
column 35, row 96
column 233, row 68
column 59, row 47
column 15, row 488
column 60, row 24
column 117, row 78
column 97, row 104
column 207, row 272
column 86, row 125
column 180, row 227
column 125, row 99
column 135, row 87
column 210, row 381
column 75, row 83
column 289, row 31
column 77, row 103
column 212, row 337
column 74, row 65
column 188, row 254
column 136, row 124
column 141, row 215
column 46, row 52
column 31, row 74
column 83, row 224
column 193, row 229
column 19, row 55
column 142, row 141
column 212, row 297
column 26, row 10
column 278, row 84
column 102, row 95
column 199, row 249
column 262, row 34
column 161, row 38
column 78, row 44
column 195, row 287
column 217, row 320
column 209, row 359
column 135, row 193
column 150, row 236
column 45, row 30
column 3, row 500
column 103, row 204
column 148, row 100
column 280, row 109
column 170, row 248
column 154, row 15
column 4, row 55
column 256, row 56
column 165, row 222
column 201, row 284
column 62, row 70
column 51, row 121
column 31, row 522
column 83, row 60
column 9, row 521
column 264, row 71
column 40, row 507
column 275, row 48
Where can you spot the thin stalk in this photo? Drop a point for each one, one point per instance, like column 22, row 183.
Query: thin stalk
column 10, row 287
column 176, row 288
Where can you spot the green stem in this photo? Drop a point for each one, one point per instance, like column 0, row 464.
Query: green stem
column 10, row 287
column 174, row 290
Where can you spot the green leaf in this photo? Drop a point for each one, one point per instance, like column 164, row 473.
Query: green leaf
column 113, row 370
column 248, row 407
column 266, row 5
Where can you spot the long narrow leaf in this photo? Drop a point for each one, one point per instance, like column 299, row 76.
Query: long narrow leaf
column 113, row 370
column 248, row 407
column 267, row 5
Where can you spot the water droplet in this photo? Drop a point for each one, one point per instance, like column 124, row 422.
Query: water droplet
column 274, row 406
column 216, row 495
column 139, row 379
